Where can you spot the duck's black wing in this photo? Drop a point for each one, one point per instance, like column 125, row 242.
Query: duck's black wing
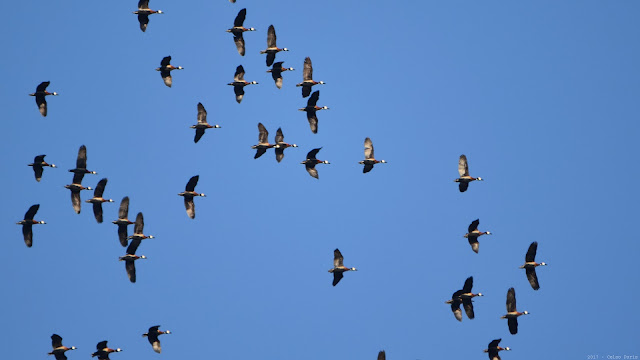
column 191, row 185
column 531, row 252
column 533, row 278
column 242, row 14
column 473, row 226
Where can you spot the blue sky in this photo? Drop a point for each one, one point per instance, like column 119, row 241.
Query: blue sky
column 541, row 97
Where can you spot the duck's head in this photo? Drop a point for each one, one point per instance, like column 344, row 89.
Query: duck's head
column 321, row 82
column 179, row 68
column 488, row 233
column 202, row 195
column 324, row 108
column 525, row 312
column 253, row 82
column 326, row 162
column 249, row 29
column 480, row 179
column 54, row 93
column 160, row 12
column 507, row 348
column 88, row 188
column 151, row 237
column 110, row 200
column 285, row 49
column 169, row 332
column 352, row 269
column 383, row 161
column 142, row 257
column 290, row 69
column 53, row 165
column 93, row 172
column 41, row 222
column 73, row 348
column 543, row 264
column 216, row 126
column 294, row 145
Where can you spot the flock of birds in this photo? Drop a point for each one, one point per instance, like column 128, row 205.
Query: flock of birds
column 463, row 297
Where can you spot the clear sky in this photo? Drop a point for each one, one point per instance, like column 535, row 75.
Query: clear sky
column 541, row 96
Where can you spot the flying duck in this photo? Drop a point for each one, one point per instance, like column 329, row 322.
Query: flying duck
column 272, row 48
column 307, row 78
column 276, row 73
column 138, row 229
column 338, row 267
column 202, row 124
column 494, row 349
column 123, row 221
column 473, row 235
column 530, row 265
column 369, row 159
column 75, row 188
column 58, row 348
column 238, row 29
column 188, row 194
column 165, row 70
column 97, row 200
column 103, row 351
column 464, row 297
column 463, row 170
column 512, row 314
column 281, row 145
column 41, row 92
column 130, row 258
column 144, row 12
column 263, row 142
column 27, row 222
column 311, row 109
column 152, row 336
column 38, row 166
column 81, row 165
column 239, row 83
column 311, row 161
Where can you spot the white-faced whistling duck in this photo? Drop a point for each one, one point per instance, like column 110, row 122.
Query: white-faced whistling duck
column 123, row 221
column 81, row 165
column 463, row 170
column 152, row 336
column 138, row 229
column 512, row 314
column 263, row 142
column 276, row 73
column 130, row 259
column 75, row 188
column 473, row 235
column 369, row 159
column 382, row 355
column 97, row 200
column 58, row 348
column 464, row 297
column 311, row 111
column 455, row 303
column 494, row 349
column 41, row 92
column 311, row 161
column 27, row 222
column 202, row 123
column 238, row 29
column 38, row 166
column 144, row 12
column 239, row 83
column 165, row 70
column 272, row 48
column 338, row 267
column 307, row 78
column 188, row 194
column 103, row 351
column 530, row 265
column 281, row 145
